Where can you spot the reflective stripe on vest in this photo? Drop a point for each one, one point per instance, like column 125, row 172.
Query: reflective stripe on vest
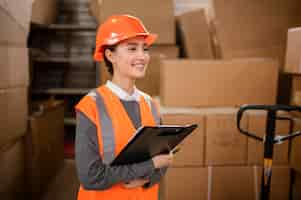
column 155, row 112
column 107, row 126
column 106, row 130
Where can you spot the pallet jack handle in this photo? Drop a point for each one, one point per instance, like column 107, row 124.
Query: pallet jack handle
column 272, row 113
column 269, row 139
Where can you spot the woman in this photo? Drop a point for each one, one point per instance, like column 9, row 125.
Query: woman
column 109, row 116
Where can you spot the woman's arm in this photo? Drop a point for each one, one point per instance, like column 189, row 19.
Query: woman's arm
column 92, row 172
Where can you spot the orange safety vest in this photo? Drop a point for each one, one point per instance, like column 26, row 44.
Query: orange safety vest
column 102, row 106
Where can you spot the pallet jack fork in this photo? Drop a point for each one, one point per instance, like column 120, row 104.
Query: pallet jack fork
column 269, row 139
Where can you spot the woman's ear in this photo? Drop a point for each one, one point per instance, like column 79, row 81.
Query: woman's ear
column 109, row 55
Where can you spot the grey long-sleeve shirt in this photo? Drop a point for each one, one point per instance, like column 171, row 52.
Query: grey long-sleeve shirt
column 92, row 172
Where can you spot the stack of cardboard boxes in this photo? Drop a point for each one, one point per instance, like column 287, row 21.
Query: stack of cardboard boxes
column 252, row 29
column 14, row 70
column 255, row 29
column 216, row 161
column 292, row 67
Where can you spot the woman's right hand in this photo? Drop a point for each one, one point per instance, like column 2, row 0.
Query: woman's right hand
column 163, row 160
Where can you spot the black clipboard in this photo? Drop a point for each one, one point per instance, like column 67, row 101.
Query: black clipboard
column 150, row 141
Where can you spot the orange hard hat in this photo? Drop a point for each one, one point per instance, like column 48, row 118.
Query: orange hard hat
column 118, row 28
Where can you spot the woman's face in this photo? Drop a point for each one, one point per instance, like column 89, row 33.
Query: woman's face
column 130, row 58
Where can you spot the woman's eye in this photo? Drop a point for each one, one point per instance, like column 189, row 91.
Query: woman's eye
column 146, row 49
column 132, row 48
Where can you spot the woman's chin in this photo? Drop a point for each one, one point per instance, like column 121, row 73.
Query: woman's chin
column 138, row 75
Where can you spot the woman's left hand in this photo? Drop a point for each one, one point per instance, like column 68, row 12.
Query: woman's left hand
column 135, row 183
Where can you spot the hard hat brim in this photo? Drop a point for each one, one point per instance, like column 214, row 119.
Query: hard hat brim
column 150, row 38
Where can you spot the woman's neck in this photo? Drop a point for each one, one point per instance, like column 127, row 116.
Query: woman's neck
column 126, row 84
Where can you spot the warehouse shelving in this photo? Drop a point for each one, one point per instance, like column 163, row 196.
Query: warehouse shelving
column 70, row 121
column 62, row 91
column 54, row 59
column 64, row 27
column 62, row 62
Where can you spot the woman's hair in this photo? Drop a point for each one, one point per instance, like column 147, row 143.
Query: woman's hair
column 108, row 63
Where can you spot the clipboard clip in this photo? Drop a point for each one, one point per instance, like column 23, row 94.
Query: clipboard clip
column 171, row 132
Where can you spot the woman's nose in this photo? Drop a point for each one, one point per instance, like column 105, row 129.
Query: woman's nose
column 142, row 54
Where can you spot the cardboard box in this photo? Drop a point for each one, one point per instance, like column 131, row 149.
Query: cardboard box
column 180, row 76
column 223, row 183
column 295, row 98
column 186, row 183
column 192, row 149
column 44, row 12
column 295, row 156
column 233, row 182
column 274, row 52
column 13, row 118
column 257, row 126
column 44, row 146
column 195, row 35
column 225, row 145
column 296, row 83
column 12, row 173
column 14, row 67
column 94, row 6
column 218, row 83
column 293, row 49
column 15, row 17
column 157, row 19
column 243, row 30
column 280, row 182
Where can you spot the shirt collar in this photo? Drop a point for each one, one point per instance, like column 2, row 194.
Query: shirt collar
column 121, row 93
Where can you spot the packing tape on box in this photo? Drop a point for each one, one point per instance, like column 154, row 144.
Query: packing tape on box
column 296, row 100
column 209, row 182
column 300, row 64
column 256, row 182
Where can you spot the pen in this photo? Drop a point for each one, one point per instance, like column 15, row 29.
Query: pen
column 175, row 150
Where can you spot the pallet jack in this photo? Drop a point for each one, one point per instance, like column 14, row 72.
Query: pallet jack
column 269, row 139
